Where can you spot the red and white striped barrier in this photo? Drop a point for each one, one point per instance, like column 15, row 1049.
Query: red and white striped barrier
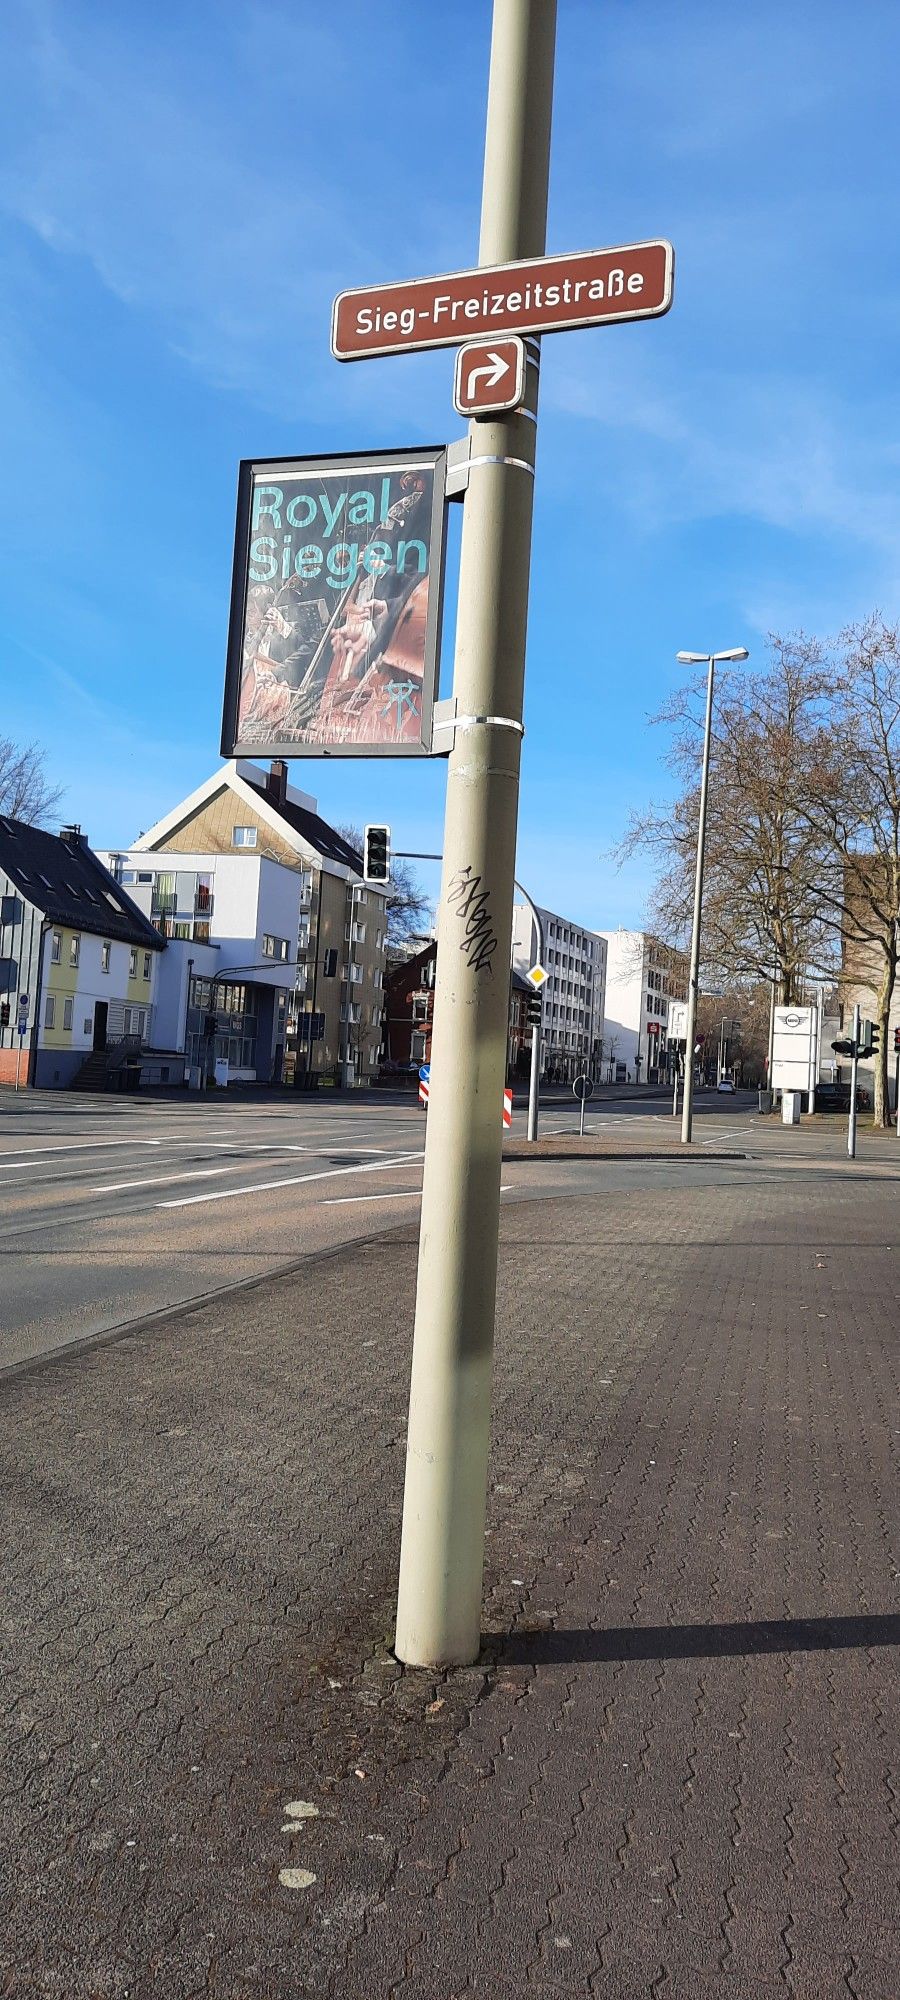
column 507, row 1108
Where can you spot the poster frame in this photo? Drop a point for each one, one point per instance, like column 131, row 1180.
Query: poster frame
column 391, row 460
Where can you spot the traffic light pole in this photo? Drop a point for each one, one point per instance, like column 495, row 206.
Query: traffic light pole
column 442, row 1551
column 854, row 1070
column 534, row 1080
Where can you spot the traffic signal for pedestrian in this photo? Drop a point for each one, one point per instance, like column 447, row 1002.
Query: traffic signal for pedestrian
column 377, row 854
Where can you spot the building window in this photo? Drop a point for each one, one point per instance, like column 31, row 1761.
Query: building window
column 275, row 947
column 74, row 950
column 420, row 1006
column 132, row 962
column 243, row 836
column 104, row 955
column 146, row 965
column 67, row 1012
column 56, row 948
column 50, row 1011
column 417, row 1047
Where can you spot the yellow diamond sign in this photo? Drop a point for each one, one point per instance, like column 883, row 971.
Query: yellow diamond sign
column 538, row 975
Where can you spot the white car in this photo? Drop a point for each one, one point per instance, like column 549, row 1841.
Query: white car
column 726, row 1083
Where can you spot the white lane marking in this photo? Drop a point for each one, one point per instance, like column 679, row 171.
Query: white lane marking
column 38, row 1158
column 293, row 1180
column 160, row 1180
column 396, row 1194
column 283, row 1146
column 344, row 1200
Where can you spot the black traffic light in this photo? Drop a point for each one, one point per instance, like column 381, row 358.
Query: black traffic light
column 843, row 1047
column 869, row 1038
column 377, row 854
column 534, row 1010
column 897, row 1040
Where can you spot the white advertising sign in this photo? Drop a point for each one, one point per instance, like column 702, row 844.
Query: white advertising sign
column 795, row 1049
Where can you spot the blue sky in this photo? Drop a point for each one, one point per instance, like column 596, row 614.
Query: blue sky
column 182, row 191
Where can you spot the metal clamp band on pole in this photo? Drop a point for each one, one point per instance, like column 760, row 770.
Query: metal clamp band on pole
column 487, row 458
column 489, row 722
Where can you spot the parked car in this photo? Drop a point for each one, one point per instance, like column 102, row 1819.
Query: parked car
column 726, row 1083
column 836, row 1097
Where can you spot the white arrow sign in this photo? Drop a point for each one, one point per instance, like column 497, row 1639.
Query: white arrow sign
column 491, row 374
column 482, row 366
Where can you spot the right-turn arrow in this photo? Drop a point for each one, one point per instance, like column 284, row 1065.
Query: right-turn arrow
column 495, row 367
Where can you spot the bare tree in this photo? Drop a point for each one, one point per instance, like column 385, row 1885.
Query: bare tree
column 24, row 790
column 849, row 788
column 763, row 916
column 409, row 911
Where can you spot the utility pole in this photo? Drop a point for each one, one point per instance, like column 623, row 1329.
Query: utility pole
column 442, row 1551
column 854, row 1068
column 709, row 660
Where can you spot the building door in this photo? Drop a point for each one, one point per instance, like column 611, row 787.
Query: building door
column 101, row 1011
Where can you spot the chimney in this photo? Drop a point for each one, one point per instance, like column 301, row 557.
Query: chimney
column 276, row 782
column 73, row 836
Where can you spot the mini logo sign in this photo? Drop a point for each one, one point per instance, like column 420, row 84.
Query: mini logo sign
column 489, row 376
column 792, row 1020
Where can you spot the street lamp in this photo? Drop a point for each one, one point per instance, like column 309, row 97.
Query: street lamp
column 699, row 660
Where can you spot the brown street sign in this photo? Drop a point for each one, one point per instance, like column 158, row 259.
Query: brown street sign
column 489, row 375
column 538, row 295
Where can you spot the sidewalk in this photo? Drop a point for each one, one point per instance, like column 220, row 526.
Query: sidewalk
column 675, row 1772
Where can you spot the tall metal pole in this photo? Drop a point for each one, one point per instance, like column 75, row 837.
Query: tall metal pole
column 854, row 1070
column 688, row 1112
column 442, row 1552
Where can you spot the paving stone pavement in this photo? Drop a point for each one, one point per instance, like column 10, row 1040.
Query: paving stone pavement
column 675, row 1770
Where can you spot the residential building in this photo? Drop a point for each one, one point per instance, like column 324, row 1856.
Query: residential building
column 277, row 966
column 79, row 963
column 574, row 996
column 642, row 977
column 410, row 1012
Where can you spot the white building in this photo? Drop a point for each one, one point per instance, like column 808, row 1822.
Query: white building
column 574, row 997
column 276, row 947
column 642, row 977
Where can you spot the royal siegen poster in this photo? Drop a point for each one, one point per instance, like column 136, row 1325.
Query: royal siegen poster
column 335, row 611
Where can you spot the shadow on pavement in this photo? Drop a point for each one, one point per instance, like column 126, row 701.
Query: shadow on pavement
column 690, row 1642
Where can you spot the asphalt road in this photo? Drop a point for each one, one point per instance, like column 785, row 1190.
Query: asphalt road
column 116, row 1208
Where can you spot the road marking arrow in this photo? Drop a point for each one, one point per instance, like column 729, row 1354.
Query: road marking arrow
column 496, row 367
